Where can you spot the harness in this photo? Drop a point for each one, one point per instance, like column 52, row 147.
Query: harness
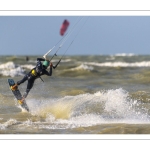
column 35, row 72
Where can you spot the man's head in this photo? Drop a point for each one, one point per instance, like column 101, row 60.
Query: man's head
column 46, row 64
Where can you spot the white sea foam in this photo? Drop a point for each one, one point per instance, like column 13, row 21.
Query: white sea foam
column 10, row 69
column 7, row 124
column 102, row 107
column 63, row 60
column 83, row 67
column 125, row 54
column 8, row 65
column 120, row 64
column 28, row 66
column 84, row 110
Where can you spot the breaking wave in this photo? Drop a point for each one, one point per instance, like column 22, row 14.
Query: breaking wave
column 120, row 64
column 84, row 110
column 83, row 67
column 12, row 70
column 111, row 106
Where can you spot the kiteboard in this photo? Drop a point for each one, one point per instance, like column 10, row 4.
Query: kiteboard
column 17, row 94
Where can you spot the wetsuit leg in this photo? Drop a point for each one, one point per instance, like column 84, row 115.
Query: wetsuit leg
column 23, row 80
column 29, row 86
column 26, row 93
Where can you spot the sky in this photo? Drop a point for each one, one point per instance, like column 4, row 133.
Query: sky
column 89, row 35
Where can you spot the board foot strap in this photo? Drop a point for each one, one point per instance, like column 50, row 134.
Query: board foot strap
column 14, row 87
column 20, row 102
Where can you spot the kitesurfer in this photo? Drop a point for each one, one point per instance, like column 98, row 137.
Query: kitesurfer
column 35, row 73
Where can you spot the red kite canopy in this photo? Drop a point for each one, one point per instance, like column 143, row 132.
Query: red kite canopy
column 64, row 27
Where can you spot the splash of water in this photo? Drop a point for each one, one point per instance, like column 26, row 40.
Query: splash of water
column 109, row 106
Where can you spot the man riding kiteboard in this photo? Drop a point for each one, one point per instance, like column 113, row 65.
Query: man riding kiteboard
column 35, row 73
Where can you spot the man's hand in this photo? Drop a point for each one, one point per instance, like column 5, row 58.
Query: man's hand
column 51, row 65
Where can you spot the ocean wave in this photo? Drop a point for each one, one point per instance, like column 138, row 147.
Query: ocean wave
column 8, row 65
column 8, row 123
column 28, row 66
column 125, row 54
column 120, row 64
column 83, row 67
column 10, row 69
column 107, row 106
column 110, row 58
column 63, row 60
column 83, row 110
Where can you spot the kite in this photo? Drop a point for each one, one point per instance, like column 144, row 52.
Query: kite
column 64, row 27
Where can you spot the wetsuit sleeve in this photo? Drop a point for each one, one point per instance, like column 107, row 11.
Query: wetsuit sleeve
column 48, row 73
column 40, row 59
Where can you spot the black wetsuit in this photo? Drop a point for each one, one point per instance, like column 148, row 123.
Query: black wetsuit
column 39, row 70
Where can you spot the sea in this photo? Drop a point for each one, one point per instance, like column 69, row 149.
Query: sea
column 86, row 95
